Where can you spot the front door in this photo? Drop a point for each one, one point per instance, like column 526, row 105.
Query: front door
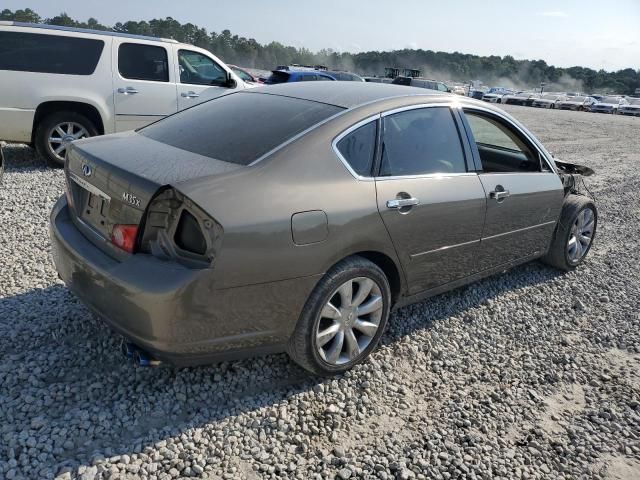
column 432, row 206
column 524, row 196
column 144, row 87
column 200, row 78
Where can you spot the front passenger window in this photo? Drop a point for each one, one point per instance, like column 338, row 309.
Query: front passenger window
column 198, row 69
column 501, row 149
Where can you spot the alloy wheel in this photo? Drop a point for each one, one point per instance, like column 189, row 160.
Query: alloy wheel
column 61, row 135
column 349, row 321
column 581, row 235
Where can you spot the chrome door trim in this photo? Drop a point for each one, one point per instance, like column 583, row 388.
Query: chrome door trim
column 448, row 247
column 449, row 104
column 519, row 230
column 344, row 133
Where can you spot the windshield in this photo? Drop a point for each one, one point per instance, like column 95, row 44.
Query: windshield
column 634, row 101
column 551, row 97
column 614, row 100
column 277, row 77
column 242, row 74
column 576, row 99
column 218, row 128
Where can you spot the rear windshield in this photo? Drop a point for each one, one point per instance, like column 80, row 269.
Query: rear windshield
column 240, row 127
column 277, row 77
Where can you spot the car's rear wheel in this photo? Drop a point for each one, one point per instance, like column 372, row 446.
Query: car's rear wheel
column 574, row 234
column 343, row 319
column 56, row 132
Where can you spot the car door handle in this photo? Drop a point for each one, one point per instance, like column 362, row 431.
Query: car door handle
column 499, row 195
column 127, row 90
column 402, row 202
column 189, row 94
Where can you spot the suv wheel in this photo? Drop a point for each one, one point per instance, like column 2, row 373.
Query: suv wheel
column 343, row 319
column 56, row 131
column 574, row 234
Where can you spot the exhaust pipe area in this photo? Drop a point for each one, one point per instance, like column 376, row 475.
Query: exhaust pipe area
column 139, row 356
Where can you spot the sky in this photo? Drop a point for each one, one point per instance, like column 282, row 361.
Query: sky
column 564, row 33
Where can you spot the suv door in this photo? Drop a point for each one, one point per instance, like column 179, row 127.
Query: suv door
column 431, row 203
column 143, row 82
column 200, row 78
column 524, row 195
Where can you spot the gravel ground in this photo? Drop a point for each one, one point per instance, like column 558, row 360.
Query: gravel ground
column 532, row 374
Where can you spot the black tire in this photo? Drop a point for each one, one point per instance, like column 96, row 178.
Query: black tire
column 558, row 254
column 48, row 123
column 302, row 347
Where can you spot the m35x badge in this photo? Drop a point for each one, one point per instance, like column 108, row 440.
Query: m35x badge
column 131, row 199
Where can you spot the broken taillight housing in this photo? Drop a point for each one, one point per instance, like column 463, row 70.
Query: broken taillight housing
column 175, row 228
column 124, row 237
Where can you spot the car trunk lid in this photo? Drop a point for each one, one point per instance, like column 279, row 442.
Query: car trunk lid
column 112, row 179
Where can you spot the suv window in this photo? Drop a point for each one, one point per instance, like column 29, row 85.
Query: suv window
column 198, row 69
column 421, row 141
column 325, row 78
column 501, row 149
column 307, row 77
column 218, row 128
column 34, row 52
column 442, row 87
column 138, row 61
column 358, row 147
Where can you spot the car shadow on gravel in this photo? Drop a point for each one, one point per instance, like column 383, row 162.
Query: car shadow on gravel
column 21, row 158
column 63, row 379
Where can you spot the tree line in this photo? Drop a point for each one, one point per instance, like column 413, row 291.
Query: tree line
column 454, row 66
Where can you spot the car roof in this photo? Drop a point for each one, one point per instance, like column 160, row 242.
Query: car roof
column 86, row 30
column 348, row 94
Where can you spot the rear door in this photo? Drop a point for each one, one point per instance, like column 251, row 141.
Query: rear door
column 431, row 203
column 524, row 196
column 143, row 82
column 200, row 77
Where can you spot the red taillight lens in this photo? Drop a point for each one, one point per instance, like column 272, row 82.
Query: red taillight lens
column 124, row 237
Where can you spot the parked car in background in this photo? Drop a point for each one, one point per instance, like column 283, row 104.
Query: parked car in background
column 610, row 104
column 421, row 83
column 580, row 103
column 548, row 100
column 60, row 84
column 495, row 94
column 596, row 96
column 345, row 76
column 631, row 108
column 521, row 98
column 476, row 93
column 378, row 79
column 245, row 76
column 164, row 248
column 458, row 90
column 297, row 75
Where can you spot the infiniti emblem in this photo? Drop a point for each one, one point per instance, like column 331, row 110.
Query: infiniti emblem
column 87, row 170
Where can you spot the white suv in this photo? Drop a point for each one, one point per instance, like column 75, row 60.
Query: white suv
column 59, row 84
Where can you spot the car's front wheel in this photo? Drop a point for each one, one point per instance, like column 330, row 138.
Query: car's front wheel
column 56, row 132
column 574, row 234
column 343, row 319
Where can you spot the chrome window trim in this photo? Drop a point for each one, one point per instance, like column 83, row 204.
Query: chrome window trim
column 393, row 111
column 533, row 141
column 341, row 135
column 427, row 175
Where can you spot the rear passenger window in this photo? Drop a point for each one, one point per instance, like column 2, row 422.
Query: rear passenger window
column 421, row 141
column 501, row 149
column 143, row 62
column 358, row 148
column 34, row 52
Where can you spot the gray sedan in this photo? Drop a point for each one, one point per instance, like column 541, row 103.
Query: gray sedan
column 200, row 239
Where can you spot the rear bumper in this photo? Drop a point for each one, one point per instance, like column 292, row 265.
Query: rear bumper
column 172, row 311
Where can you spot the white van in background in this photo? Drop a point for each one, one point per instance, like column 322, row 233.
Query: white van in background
column 59, row 84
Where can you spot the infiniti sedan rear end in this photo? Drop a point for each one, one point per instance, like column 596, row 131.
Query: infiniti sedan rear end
column 198, row 239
